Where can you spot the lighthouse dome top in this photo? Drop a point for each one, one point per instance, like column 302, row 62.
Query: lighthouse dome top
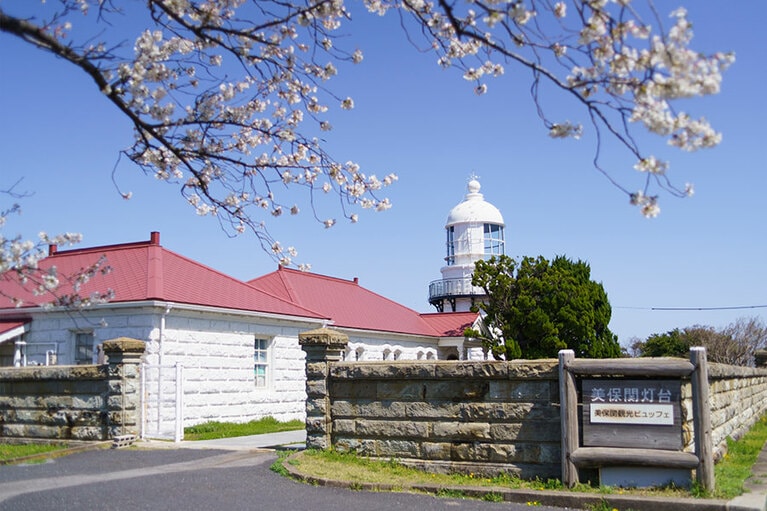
column 474, row 208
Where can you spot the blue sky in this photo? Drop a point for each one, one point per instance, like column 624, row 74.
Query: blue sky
column 425, row 124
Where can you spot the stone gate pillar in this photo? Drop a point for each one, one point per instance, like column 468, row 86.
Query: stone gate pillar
column 322, row 346
column 124, row 399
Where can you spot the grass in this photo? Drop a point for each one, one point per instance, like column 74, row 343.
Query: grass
column 356, row 470
column 213, row 430
column 13, row 451
column 731, row 473
column 741, row 455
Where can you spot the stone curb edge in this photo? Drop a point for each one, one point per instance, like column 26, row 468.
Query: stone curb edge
column 566, row 499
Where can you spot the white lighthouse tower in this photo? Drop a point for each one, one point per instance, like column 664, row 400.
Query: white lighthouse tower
column 474, row 231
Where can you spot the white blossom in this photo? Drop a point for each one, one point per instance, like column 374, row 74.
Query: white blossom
column 229, row 114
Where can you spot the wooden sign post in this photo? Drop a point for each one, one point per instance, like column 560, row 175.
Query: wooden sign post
column 631, row 415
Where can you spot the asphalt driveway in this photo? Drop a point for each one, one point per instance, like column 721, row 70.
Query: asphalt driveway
column 190, row 480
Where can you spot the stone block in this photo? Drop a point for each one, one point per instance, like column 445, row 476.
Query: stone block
column 397, row 448
column 498, row 453
column 382, row 409
column 344, row 427
column 38, row 431
column 349, row 389
column 343, row 444
column 316, row 388
column 392, row 429
column 457, row 391
column 534, row 369
column 92, row 402
column 115, row 402
column 316, row 425
column 436, row 450
column 360, row 446
column 461, row 430
column 316, row 407
column 524, row 391
column 526, row 431
column 400, row 390
column 89, row 433
column 472, row 370
column 505, row 432
column 526, row 453
column 463, row 451
column 508, row 412
column 316, row 370
column 382, row 370
column 314, row 441
column 433, row 410
column 550, row 454
column 343, row 408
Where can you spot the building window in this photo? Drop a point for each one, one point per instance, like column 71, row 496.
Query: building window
column 83, row 348
column 493, row 237
column 261, row 362
column 450, row 246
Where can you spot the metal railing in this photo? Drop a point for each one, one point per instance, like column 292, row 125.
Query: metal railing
column 453, row 287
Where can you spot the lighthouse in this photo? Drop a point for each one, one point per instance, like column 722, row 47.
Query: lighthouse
column 474, row 231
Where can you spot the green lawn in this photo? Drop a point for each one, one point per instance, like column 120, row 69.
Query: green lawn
column 731, row 472
column 13, row 451
column 741, row 455
column 212, row 430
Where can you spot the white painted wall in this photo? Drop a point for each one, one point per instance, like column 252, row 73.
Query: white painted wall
column 216, row 351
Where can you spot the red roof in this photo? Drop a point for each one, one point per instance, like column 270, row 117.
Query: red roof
column 11, row 329
column 451, row 324
column 352, row 306
column 147, row 271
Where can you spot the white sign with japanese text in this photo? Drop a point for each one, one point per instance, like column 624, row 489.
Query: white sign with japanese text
column 632, row 413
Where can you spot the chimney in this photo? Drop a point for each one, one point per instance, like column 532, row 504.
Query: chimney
column 52, row 249
column 154, row 238
column 356, row 280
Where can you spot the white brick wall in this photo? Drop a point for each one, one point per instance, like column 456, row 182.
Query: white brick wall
column 216, row 352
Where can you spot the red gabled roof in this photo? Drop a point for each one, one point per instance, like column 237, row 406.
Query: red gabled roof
column 450, row 324
column 350, row 305
column 147, row 271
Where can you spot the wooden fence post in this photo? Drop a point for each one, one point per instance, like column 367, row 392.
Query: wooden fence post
column 702, row 418
column 568, row 401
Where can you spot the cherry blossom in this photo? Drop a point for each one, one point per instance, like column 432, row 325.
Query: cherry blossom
column 228, row 97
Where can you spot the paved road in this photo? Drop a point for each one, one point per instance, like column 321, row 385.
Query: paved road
column 191, row 480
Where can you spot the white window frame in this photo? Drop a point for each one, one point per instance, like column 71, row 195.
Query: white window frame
column 450, row 258
column 262, row 359
column 494, row 241
column 76, row 336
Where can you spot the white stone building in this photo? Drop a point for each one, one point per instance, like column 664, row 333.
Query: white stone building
column 217, row 348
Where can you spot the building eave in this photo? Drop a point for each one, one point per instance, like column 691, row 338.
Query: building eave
column 165, row 305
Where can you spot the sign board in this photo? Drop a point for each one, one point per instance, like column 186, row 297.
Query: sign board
column 632, row 413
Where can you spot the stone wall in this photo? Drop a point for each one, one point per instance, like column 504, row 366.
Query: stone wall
column 738, row 398
column 467, row 416
column 87, row 402
column 479, row 417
